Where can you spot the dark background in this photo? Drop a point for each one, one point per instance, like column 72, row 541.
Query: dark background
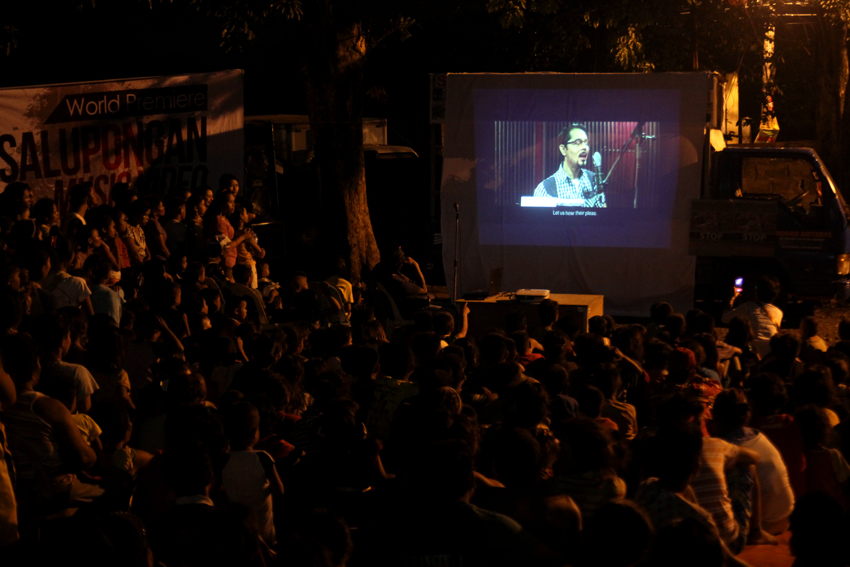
column 76, row 42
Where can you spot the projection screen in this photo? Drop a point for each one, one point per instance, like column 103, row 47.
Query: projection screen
column 575, row 183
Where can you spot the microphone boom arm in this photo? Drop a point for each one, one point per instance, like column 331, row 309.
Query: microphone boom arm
column 635, row 135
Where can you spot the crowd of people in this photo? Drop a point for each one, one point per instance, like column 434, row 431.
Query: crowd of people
column 164, row 401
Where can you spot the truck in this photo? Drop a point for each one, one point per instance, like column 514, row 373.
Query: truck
column 771, row 210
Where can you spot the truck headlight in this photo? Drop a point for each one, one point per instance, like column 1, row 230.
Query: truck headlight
column 842, row 264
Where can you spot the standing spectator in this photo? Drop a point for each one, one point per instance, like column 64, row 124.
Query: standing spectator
column 248, row 248
column 218, row 228
column 205, row 194
column 228, row 183
column 154, row 233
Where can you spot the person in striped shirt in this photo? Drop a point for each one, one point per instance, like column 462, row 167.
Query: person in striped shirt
column 667, row 496
column 572, row 180
column 712, row 491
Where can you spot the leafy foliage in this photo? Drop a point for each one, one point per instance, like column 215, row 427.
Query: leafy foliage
column 240, row 19
column 642, row 35
column 8, row 39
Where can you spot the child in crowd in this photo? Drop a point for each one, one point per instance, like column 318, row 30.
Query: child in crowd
column 269, row 289
column 237, row 308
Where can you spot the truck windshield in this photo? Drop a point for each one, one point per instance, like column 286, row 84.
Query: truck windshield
column 790, row 181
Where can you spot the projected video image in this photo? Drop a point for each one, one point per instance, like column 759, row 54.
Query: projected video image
column 576, row 167
column 582, row 164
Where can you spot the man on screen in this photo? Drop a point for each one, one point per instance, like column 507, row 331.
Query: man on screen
column 572, row 180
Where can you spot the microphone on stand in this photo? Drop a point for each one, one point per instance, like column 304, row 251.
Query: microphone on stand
column 597, row 169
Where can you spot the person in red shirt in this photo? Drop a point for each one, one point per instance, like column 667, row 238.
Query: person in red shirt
column 216, row 226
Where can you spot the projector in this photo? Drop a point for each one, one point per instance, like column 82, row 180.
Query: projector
column 531, row 294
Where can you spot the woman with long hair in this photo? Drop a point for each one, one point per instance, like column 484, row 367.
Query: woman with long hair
column 217, row 227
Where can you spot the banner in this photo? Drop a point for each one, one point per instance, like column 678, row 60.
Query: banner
column 159, row 134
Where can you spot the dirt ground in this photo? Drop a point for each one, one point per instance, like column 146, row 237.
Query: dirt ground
column 827, row 316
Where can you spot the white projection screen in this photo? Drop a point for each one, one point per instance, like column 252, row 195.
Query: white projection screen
column 576, row 183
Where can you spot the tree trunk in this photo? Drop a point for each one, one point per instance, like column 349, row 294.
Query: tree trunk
column 334, row 73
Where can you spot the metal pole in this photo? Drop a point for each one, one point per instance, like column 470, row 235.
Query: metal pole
column 638, row 139
column 457, row 251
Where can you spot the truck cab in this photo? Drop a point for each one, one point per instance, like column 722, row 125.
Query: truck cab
column 771, row 210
